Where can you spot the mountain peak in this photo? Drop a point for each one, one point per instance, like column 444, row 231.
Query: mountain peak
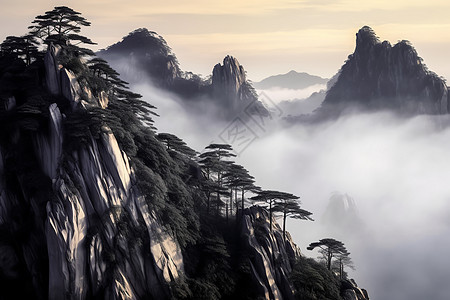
column 380, row 76
column 228, row 78
column 366, row 37
column 231, row 88
column 290, row 80
column 147, row 49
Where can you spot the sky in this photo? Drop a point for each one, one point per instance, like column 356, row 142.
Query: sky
column 396, row 170
column 267, row 36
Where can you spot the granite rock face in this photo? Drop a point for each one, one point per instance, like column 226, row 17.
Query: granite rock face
column 271, row 258
column 379, row 76
column 231, row 89
column 351, row 291
column 78, row 204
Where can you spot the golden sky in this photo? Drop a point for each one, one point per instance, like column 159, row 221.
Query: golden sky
column 267, row 36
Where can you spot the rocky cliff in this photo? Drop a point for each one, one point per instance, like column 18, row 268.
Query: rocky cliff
column 271, row 258
column 378, row 76
column 73, row 223
column 231, row 89
column 95, row 205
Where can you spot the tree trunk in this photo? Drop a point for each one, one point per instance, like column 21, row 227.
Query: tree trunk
column 242, row 205
column 284, row 227
column 236, row 201
column 231, row 202
column 270, row 215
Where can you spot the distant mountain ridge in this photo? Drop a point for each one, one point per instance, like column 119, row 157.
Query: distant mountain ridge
column 290, row 80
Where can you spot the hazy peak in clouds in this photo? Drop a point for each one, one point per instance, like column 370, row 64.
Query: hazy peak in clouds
column 290, row 80
column 380, row 76
column 341, row 215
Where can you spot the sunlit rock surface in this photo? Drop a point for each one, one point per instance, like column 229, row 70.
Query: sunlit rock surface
column 271, row 258
column 351, row 291
column 87, row 197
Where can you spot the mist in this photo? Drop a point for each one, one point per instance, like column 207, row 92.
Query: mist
column 394, row 168
column 396, row 171
column 278, row 94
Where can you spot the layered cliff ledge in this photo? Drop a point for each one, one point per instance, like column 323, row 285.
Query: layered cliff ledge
column 378, row 76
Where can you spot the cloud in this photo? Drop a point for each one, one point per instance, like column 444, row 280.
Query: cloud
column 283, row 94
column 395, row 169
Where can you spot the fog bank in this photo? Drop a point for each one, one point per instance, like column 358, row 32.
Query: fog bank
column 395, row 169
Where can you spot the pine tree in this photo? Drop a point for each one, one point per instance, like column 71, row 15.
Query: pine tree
column 214, row 164
column 329, row 248
column 289, row 206
column 271, row 198
column 174, row 143
column 23, row 47
column 62, row 26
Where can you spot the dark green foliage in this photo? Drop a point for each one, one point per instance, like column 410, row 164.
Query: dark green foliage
column 23, row 47
column 329, row 248
column 60, row 26
column 174, row 143
column 312, row 281
column 271, row 198
column 290, row 207
column 210, row 262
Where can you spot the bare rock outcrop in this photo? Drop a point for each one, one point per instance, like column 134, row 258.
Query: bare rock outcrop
column 351, row 291
column 271, row 257
column 232, row 91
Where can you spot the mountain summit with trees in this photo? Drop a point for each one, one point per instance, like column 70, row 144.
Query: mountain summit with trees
column 144, row 56
column 95, row 204
column 379, row 76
